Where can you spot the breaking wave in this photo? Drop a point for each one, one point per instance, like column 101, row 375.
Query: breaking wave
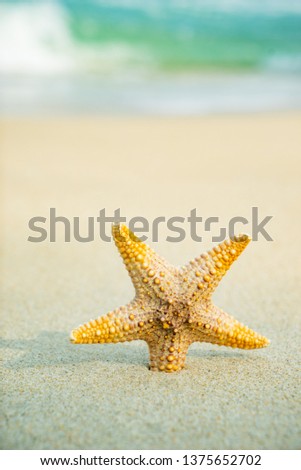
column 134, row 36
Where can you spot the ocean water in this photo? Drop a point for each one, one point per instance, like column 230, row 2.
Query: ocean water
column 158, row 56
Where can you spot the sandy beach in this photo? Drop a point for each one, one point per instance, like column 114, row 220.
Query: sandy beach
column 56, row 395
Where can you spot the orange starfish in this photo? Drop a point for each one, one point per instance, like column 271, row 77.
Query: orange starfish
column 172, row 308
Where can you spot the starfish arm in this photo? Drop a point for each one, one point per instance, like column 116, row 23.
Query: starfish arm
column 168, row 349
column 126, row 323
column 213, row 325
column 151, row 275
column 203, row 274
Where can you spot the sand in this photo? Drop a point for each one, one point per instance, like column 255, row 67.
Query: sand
column 56, row 395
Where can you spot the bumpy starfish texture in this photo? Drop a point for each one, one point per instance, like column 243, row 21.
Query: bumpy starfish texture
column 172, row 307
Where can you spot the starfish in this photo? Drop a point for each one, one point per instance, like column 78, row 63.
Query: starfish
column 172, row 307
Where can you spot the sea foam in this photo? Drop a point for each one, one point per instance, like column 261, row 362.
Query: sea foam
column 36, row 39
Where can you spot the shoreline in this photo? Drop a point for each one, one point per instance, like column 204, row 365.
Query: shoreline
column 162, row 96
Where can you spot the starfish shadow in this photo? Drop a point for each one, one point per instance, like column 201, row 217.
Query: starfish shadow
column 51, row 348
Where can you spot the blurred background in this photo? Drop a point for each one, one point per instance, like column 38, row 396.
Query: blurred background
column 153, row 57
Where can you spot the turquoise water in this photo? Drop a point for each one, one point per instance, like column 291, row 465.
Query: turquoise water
column 203, row 35
column 126, row 51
